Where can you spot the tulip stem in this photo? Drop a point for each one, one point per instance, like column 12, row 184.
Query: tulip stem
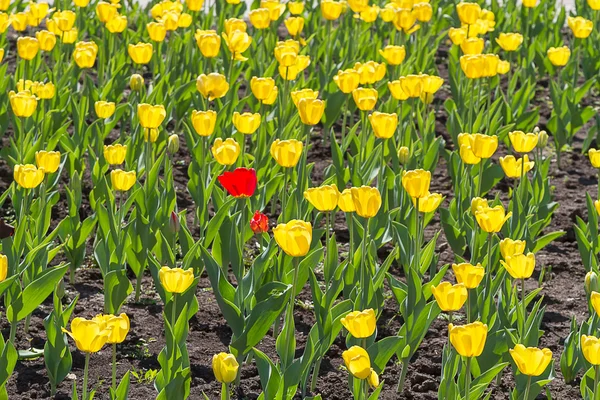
column 241, row 270
column 468, row 307
column 468, row 379
column 225, row 395
column 85, row 376
column 417, row 256
column 596, row 381
column 403, row 372
column 363, row 268
column 363, row 140
column 524, row 310
column 480, row 178
column 114, row 366
column 284, row 195
column 345, row 116
column 174, row 312
column 528, row 387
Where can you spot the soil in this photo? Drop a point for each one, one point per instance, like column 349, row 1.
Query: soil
column 564, row 298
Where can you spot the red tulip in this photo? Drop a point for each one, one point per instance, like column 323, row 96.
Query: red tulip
column 259, row 223
column 239, row 183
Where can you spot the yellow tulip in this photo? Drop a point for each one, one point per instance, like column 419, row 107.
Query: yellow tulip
column 594, row 299
column 49, row 161
column 472, row 46
column 468, row 340
column 531, row 361
column 483, row 146
column 396, row 90
column 431, row 83
column 294, row 25
column 510, row 248
column 65, row 20
column 184, row 20
column 260, row 18
column 403, row 155
column 360, row 324
column 22, row 103
column 70, row 37
column 235, row 24
column 261, row 87
column 370, row 72
column 122, row 180
column 237, row 42
column 514, row 168
column 212, row 86
column 472, row 65
column 422, row 11
column 311, row 110
column 297, row 95
column 331, row 10
column 285, row 54
column 594, row 156
column 580, row 27
column 468, row 13
column 365, row 98
column 367, row 201
column 85, row 54
column 416, row 182
column 151, row 116
column 194, row 5
column 27, row 47
column 346, row 201
column 176, row 280
column 46, row 40
column 3, row 267
column 39, row 10
column 286, row 152
column 19, row 21
column 104, row 109
column 393, row 55
column 106, row 11
column 204, row 122
column 468, row 274
column 118, row 326
column 490, row 65
column 412, row 85
column 373, row 379
column 275, row 8
column 294, row 237
column 323, row 198
column 114, row 154
column 226, row 152
column 347, row 80
column 225, row 367
column 491, row 219
column 520, row 266
column 358, row 5
column 388, row 13
column 509, row 41
column 246, row 123
column 467, row 156
column 529, row 3
column 357, row 362
column 457, row 35
column 503, row 67
column 429, row 203
column 209, row 43
column 450, row 297
column 384, row 125
column 28, row 176
column 369, row 14
column 157, row 31
column 272, row 97
column 559, row 56
column 523, row 142
column 89, row 335
column 594, row 4
column 590, row 347
column 117, row 24
column 406, row 21
column 295, row 7
column 140, row 53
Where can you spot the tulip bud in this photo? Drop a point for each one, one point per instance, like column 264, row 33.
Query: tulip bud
column 173, row 144
column 542, row 139
column 403, row 155
column 136, row 82
column 174, row 224
column 60, row 289
column 591, row 282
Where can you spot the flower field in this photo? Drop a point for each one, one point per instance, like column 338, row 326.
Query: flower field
column 281, row 200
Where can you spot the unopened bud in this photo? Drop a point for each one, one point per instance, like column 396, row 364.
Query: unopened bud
column 591, row 282
column 174, row 224
column 60, row 289
column 403, row 155
column 542, row 139
column 173, row 144
column 136, row 82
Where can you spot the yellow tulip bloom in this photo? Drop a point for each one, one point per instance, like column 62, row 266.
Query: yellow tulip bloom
column 520, row 266
column 450, row 297
column 472, row 65
column 89, row 335
column 346, row 201
column 510, row 248
column 212, row 86
column 472, row 46
column 22, row 103
column 416, row 182
column 176, row 280
column 514, row 168
column 396, row 90
column 428, row 203
column 114, row 154
column 595, row 300
column 225, row 367
column 331, row 10
column 261, row 87
column 384, row 125
column 294, row 25
column 295, row 7
column 590, row 347
column 49, row 161
column 403, row 155
column 104, row 109
column 117, row 24
column 523, row 142
column 246, row 123
column 157, row 31
column 46, row 40
column 531, row 361
column 422, row 11
column 509, row 41
column 294, row 237
column 286, row 152
column 365, row 98
column 311, row 110
column 483, row 146
column 237, row 42
column 360, row 324
column 226, row 152
column 370, row 72
column 106, row 11
column 457, row 35
column 122, row 180
column 28, row 176
column 581, row 27
column 118, row 326
column 235, row 24
column 27, row 47
column 357, row 362
column 468, row 274
column 209, row 43
column 347, row 80
column 140, row 53
column 85, row 54
column 468, row 340
column 297, row 95
column 204, row 122
column 491, row 219
column 468, row 13
column 367, row 201
column 3, row 267
column 594, row 156
column 151, row 116
column 559, row 56
column 503, row 67
column 323, row 198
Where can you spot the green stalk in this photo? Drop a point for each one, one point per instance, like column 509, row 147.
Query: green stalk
column 242, row 272
column 468, row 379
column 528, row 387
column 524, row 309
column 480, row 178
column 85, row 376
column 345, row 116
column 174, row 312
column 225, row 395
column 284, row 194
column 363, row 267
column 403, row 372
column 418, row 239
column 596, row 381
column 114, row 366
